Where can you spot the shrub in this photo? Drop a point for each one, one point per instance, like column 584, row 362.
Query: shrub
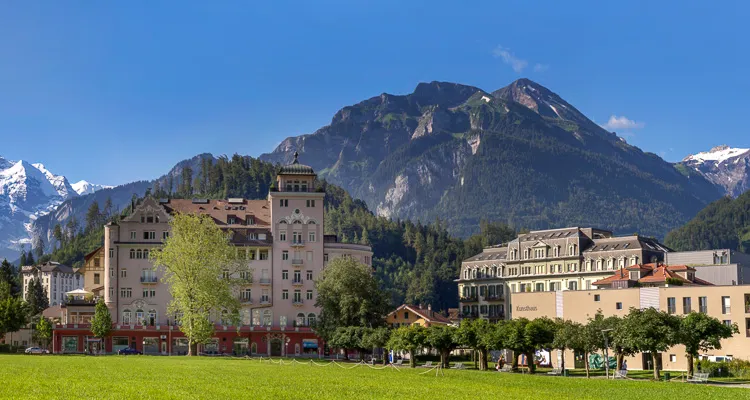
column 734, row 368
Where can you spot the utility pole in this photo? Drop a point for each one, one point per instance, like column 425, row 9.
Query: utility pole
column 606, row 351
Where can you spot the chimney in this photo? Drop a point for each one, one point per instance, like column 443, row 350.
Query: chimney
column 429, row 307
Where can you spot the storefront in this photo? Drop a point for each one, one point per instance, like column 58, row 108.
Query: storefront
column 180, row 346
column 151, row 345
column 310, row 346
column 119, row 343
column 240, row 346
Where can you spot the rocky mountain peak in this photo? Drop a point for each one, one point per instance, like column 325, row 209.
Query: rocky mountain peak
column 447, row 94
column 724, row 166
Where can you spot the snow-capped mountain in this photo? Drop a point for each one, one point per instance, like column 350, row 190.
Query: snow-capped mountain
column 27, row 192
column 727, row 167
column 83, row 187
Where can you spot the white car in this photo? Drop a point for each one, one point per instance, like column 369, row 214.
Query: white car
column 36, row 350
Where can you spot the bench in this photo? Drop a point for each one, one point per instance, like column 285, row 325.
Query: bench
column 458, row 366
column 555, row 371
column 428, row 364
column 698, row 377
column 621, row 374
column 398, row 363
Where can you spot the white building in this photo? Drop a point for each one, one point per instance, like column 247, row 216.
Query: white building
column 56, row 278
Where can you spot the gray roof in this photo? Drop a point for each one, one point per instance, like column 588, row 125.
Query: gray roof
column 490, row 254
column 625, row 243
column 295, row 168
column 51, row 266
column 550, row 234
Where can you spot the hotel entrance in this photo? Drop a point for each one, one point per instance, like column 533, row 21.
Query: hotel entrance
column 240, row 346
column 276, row 347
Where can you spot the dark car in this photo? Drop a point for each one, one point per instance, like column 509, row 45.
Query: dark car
column 127, row 351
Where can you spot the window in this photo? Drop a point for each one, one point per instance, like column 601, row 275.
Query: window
column 165, row 235
column 126, row 316
column 126, row 292
column 686, row 306
column 148, row 235
column 132, row 254
column 231, row 220
column 618, row 306
column 703, row 304
column 726, row 305
column 285, row 255
column 310, row 203
column 264, row 296
column 282, row 320
column 285, row 274
column 309, row 275
column 282, row 236
column 96, row 262
column 297, row 296
column 111, row 292
column 311, row 236
column 539, row 287
column 263, row 255
column 309, row 295
column 671, row 305
column 597, row 297
column 111, row 253
column 406, row 315
column 309, row 256
column 283, row 203
column 285, row 294
column 297, row 277
column 311, row 319
column 149, row 293
column 267, row 317
column 727, row 322
column 325, row 257
column 96, row 279
column 123, row 273
column 246, row 294
column 132, row 235
column 573, row 285
column 672, row 358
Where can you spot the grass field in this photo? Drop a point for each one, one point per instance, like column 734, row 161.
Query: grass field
column 139, row 377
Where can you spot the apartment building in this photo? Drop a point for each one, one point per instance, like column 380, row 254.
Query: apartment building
column 282, row 237
column 547, row 261
column 729, row 304
column 720, row 267
column 93, row 272
column 57, row 279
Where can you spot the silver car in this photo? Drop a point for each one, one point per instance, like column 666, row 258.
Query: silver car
column 36, row 350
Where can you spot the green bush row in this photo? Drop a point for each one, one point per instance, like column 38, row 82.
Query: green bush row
column 726, row 369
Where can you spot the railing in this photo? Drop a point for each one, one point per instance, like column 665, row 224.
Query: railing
column 297, row 303
column 245, row 300
column 469, row 315
column 298, row 242
column 297, row 282
column 81, row 302
column 297, row 261
column 149, row 279
column 492, row 297
column 265, row 281
column 265, row 300
column 299, row 190
column 469, row 299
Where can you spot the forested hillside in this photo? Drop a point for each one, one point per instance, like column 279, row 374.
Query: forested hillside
column 415, row 262
column 724, row 223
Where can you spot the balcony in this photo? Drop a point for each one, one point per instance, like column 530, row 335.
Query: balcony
column 265, row 281
column 469, row 315
column 149, row 280
column 299, row 190
column 492, row 297
column 484, row 313
column 245, row 300
column 297, row 282
column 297, row 303
column 469, row 299
column 265, row 301
column 297, row 262
column 297, row 243
column 81, row 302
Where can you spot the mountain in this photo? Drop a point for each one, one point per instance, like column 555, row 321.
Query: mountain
column 83, row 187
column 726, row 167
column 520, row 154
column 723, row 224
column 27, row 192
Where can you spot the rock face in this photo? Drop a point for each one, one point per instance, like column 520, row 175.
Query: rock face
column 726, row 167
column 520, row 154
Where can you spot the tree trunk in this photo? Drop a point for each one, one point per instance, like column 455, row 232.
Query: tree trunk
column 586, row 363
column 530, row 362
column 445, row 358
column 690, row 364
column 514, row 364
column 620, row 357
column 346, row 355
column 191, row 346
column 483, row 360
column 562, row 359
column 412, row 361
column 656, row 366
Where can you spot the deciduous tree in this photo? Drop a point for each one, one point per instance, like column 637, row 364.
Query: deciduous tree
column 649, row 330
column 43, row 332
column 443, row 339
column 101, row 323
column 700, row 332
column 472, row 334
column 193, row 260
column 410, row 339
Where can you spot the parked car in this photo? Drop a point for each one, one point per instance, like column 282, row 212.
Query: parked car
column 36, row 350
column 126, row 351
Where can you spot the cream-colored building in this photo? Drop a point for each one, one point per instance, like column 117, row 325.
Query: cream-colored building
column 57, row 279
column 729, row 304
column 546, row 261
column 93, row 272
column 282, row 238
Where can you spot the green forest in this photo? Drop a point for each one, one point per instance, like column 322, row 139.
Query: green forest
column 724, row 223
column 415, row 262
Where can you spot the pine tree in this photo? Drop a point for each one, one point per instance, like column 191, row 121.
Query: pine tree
column 30, row 259
column 108, row 207
column 8, row 277
column 38, row 246
column 22, row 260
column 58, row 234
column 93, row 215
column 31, row 297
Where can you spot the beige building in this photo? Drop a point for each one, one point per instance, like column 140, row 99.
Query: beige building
column 546, row 261
column 407, row 314
column 57, row 279
column 282, row 237
column 93, row 272
column 730, row 304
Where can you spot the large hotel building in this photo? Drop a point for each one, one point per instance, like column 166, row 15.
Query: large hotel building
column 573, row 273
column 282, row 236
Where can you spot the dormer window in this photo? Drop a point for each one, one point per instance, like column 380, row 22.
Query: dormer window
column 251, row 220
column 635, row 275
column 231, row 220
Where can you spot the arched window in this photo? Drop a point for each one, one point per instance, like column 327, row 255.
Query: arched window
column 139, row 319
column 151, row 317
column 599, row 265
column 145, row 253
column 267, row 317
column 300, row 319
column 283, row 221
column 254, row 348
column 126, row 317
column 311, row 222
column 296, row 221
column 296, row 349
column 139, row 254
column 311, row 319
column 132, row 253
column 156, row 219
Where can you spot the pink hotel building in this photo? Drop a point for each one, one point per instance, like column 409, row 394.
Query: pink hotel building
column 282, row 236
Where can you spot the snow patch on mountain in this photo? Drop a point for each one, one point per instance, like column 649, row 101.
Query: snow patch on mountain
column 718, row 154
column 83, row 187
column 724, row 166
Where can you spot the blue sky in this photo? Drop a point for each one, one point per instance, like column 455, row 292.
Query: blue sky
column 112, row 93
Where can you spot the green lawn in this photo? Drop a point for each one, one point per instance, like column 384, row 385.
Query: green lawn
column 143, row 377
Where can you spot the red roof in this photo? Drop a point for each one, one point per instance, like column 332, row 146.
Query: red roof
column 427, row 314
column 652, row 273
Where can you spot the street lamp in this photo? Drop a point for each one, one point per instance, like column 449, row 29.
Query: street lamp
column 606, row 351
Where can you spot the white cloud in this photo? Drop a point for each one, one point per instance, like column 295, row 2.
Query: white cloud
column 540, row 67
column 509, row 58
column 622, row 123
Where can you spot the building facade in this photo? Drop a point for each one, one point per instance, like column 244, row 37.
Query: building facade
column 729, row 304
column 546, row 261
column 720, row 267
column 407, row 314
column 57, row 279
column 93, row 272
column 282, row 238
